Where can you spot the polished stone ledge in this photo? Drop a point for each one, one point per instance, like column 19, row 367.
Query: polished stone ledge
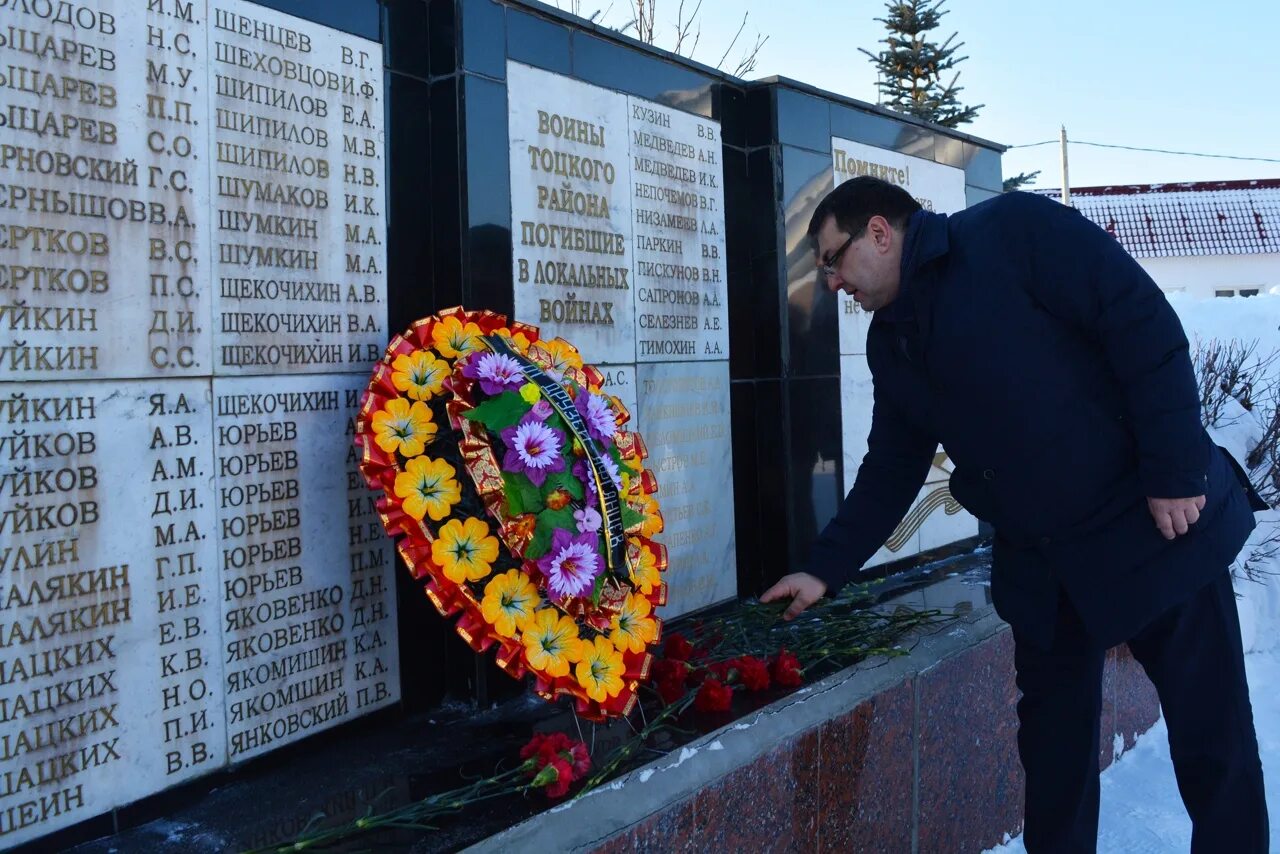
column 916, row 753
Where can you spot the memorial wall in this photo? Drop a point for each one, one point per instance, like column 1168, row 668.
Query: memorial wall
column 935, row 518
column 192, row 291
column 618, row 236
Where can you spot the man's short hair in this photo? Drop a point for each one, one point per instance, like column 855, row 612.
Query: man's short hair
column 857, row 200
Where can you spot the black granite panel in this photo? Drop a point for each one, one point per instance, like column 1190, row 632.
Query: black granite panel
column 748, row 526
column 404, row 22
column 973, row 195
column 981, row 165
column 953, row 152
column 813, row 337
column 617, row 67
column 764, row 186
column 813, row 488
column 359, row 17
column 881, row 131
column 729, row 107
column 772, row 420
column 803, row 120
column 756, row 349
column 446, row 195
column 62, row 840
column 984, row 170
column 442, row 20
column 760, row 122
column 484, row 38
column 409, row 228
column 538, row 42
column 488, row 194
column 737, row 212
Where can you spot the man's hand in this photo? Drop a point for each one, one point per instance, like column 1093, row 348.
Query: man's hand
column 805, row 589
column 1173, row 515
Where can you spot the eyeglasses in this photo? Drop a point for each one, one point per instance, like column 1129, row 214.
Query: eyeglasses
column 828, row 268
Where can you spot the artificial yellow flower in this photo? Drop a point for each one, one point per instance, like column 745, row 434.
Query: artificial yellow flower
column 644, row 572
column 551, row 643
column 518, row 339
column 530, row 393
column 509, row 602
column 403, row 427
column 562, row 355
column 633, row 627
column 420, row 374
column 464, row 550
column 652, row 518
column 428, row 488
column 454, row 339
column 600, row 670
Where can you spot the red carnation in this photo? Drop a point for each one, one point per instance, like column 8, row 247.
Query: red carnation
column 548, row 749
column 669, row 670
column 677, row 647
column 544, row 744
column 554, row 778
column 713, row 696
column 753, row 672
column 580, row 759
column 786, row 670
column 671, row 690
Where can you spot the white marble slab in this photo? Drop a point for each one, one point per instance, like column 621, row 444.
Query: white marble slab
column 134, row 281
column 677, row 184
column 293, row 635
column 116, row 285
column 298, row 220
column 110, row 591
column 937, row 187
column 571, row 212
column 684, row 416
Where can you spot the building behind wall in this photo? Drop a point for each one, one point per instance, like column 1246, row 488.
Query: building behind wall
column 1203, row 238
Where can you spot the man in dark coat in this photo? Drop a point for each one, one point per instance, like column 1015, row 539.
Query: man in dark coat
column 1057, row 377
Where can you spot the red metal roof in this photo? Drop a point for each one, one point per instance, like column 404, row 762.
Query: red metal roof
column 1195, row 218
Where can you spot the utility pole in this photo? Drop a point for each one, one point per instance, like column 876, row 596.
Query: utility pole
column 1066, row 183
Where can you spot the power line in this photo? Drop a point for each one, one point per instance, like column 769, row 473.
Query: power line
column 1150, row 150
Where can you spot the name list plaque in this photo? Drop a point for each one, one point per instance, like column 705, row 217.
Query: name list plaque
column 617, row 209
column 192, row 291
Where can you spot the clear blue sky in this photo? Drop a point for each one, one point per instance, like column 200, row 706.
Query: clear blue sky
column 1173, row 75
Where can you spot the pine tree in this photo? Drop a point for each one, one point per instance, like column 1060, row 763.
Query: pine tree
column 1022, row 179
column 911, row 67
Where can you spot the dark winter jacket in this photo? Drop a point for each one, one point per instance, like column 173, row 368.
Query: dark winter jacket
column 1057, row 377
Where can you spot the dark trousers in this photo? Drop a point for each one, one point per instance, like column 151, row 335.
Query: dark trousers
column 1192, row 654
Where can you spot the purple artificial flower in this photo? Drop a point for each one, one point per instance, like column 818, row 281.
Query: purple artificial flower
column 582, row 471
column 571, row 564
column 533, row 448
column 599, row 418
column 588, row 520
column 496, row 372
column 541, row 410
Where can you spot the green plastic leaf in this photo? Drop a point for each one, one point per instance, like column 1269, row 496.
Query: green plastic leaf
column 499, row 413
column 548, row 522
column 522, row 495
column 630, row 517
column 563, row 480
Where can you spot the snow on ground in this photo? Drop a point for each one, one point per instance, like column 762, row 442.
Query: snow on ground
column 1141, row 811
